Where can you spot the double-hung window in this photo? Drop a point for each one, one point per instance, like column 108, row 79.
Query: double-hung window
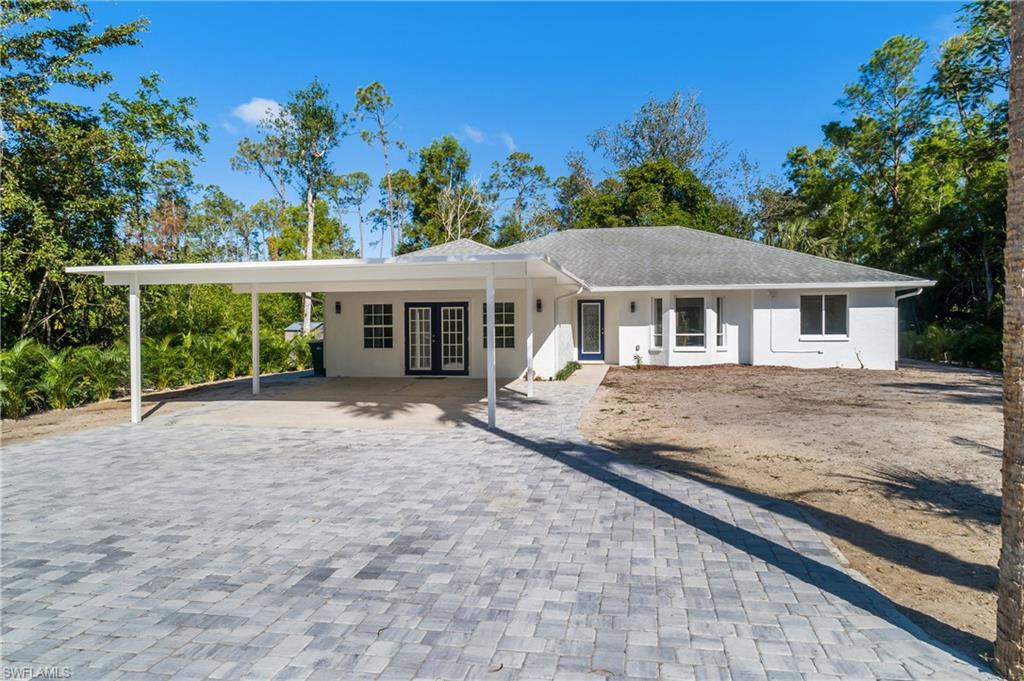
column 823, row 316
column 720, row 322
column 378, row 326
column 657, row 323
column 690, row 323
column 504, row 325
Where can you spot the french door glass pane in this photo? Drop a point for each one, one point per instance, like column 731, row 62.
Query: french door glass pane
column 590, row 320
column 453, row 337
column 419, row 338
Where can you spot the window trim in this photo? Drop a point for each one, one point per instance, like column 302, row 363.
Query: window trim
column 388, row 341
column 823, row 337
column 703, row 347
column 657, row 323
column 503, row 339
column 721, row 339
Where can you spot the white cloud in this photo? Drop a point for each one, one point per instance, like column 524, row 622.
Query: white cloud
column 256, row 110
column 475, row 134
column 507, row 140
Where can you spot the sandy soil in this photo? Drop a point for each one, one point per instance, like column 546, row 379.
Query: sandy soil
column 900, row 468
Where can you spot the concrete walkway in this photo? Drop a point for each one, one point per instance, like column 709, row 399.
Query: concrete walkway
column 178, row 549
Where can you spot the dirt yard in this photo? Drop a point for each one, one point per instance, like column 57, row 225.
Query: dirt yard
column 900, row 468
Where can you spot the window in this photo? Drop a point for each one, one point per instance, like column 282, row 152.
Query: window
column 504, row 325
column 378, row 327
column 823, row 315
column 689, row 322
column 720, row 322
column 657, row 315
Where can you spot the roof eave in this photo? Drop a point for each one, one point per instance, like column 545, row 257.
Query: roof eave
column 912, row 283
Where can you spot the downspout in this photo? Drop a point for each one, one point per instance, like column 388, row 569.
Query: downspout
column 896, row 313
column 554, row 304
column 771, row 333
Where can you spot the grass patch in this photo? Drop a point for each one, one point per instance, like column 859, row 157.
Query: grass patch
column 568, row 370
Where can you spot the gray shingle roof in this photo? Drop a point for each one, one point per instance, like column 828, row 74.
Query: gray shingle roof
column 457, row 247
column 678, row 256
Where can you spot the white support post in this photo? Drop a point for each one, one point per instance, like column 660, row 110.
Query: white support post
column 529, row 336
column 255, row 341
column 491, row 386
column 135, row 350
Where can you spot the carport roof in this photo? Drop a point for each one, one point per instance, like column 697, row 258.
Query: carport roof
column 303, row 275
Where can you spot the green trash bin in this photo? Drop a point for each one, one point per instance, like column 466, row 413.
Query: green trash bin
column 317, row 350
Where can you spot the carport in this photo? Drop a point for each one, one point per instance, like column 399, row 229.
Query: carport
column 427, row 272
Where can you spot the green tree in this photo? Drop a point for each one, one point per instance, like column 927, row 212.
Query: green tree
column 61, row 190
column 522, row 186
column 675, row 130
column 348, row 193
column 444, row 201
column 296, row 148
column 330, row 239
column 373, row 105
column 657, row 193
column 159, row 141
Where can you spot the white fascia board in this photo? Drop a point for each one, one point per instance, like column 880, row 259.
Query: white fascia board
column 400, row 285
column 313, row 271
column 768, row 287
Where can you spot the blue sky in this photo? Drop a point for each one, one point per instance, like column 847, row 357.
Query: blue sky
column 536, row 76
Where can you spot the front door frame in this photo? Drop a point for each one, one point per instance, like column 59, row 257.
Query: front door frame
column 589, row 356
column 435, row 339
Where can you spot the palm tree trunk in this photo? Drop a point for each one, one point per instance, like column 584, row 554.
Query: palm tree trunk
column 1010, row 613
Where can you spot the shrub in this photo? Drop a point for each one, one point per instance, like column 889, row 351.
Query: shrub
column 301, row 355
column 275, row 353
column 234, row 352
column 976, row 346
column 162, row 365
column 103, row 371
column 568, row 370
column 21, row 374
column 62, row 380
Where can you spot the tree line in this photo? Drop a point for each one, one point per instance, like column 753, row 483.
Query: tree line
column 911, row 176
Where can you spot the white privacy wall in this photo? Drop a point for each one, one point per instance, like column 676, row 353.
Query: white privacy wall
column 870, row 344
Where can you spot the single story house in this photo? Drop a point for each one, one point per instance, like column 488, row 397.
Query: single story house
column 667, row 296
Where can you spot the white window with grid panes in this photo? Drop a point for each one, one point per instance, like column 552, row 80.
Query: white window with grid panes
column 378, row 326
column 504, row 325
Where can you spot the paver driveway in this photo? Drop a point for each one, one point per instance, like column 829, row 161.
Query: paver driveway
column 179, row 550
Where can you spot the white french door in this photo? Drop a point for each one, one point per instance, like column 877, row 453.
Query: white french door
column 419, row 345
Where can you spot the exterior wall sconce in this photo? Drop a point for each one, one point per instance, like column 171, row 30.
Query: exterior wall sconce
column 632, row 306
column 540, row 305
column 337, row 307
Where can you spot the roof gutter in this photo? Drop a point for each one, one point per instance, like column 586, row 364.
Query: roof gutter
column 909, row 294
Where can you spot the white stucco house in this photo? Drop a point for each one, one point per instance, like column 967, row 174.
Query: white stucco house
column 667, row 296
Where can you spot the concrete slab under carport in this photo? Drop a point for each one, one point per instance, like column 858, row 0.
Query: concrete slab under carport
column 433, row 403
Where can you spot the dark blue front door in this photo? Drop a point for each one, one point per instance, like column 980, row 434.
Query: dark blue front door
column 590, row 329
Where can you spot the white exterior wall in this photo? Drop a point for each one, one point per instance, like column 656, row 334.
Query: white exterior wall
column 636, row 336
column 758, row 330
column 870, row 344
column 344, row 354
